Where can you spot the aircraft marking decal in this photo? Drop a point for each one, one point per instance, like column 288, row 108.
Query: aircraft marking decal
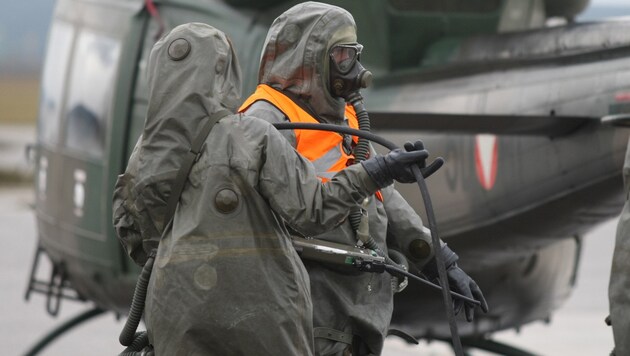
column 622, row 97
column 79, row 191
column 42, row 177
column 486, row 153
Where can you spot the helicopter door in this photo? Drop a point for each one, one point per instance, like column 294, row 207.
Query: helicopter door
column 87, row 52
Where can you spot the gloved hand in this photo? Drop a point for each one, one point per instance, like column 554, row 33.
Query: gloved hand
column 459, row 282
column 433, row 167
column 396, row 165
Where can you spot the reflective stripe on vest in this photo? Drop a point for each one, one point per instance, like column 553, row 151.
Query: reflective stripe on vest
column 323, row 148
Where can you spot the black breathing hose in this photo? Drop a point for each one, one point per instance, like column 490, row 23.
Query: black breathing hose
column 128, row 334
column 446, row 292
column 361, row 151
column 139, row 346
column 336, row 128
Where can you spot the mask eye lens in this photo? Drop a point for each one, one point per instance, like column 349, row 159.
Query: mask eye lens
column 344, row 57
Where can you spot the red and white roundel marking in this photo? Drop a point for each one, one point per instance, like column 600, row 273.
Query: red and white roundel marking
column 486, row 154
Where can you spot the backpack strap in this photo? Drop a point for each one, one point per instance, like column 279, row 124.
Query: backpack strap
column 190, row 158
column 333, row 334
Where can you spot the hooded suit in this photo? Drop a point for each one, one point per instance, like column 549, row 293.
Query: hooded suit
column 295, row 63
column 619, row 287
column 226, row 278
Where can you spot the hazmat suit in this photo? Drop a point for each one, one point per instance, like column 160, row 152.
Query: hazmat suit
column 295, row 65
column 619, row 288
column 226, row 278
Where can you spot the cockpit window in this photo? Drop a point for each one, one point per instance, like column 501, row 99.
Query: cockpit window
column 55, row 69
column 90, row 93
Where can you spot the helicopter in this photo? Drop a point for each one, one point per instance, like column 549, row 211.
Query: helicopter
column 531, row 119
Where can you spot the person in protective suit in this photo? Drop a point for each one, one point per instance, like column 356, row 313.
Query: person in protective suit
column 226, row 278
column 309, row 61
column 619, row 286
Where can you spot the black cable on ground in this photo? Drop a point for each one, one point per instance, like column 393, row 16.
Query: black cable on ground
column 61, row 329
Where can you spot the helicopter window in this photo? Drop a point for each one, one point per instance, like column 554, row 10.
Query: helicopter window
column 450, row 6
column 90, row 93
column 55, row 70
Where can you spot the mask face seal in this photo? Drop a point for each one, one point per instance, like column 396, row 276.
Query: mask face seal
column 347, row 75
column 344, row 56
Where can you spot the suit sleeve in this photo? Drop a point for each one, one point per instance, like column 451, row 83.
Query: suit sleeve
column 309, row 206
column 267, row 112
column 405, row 226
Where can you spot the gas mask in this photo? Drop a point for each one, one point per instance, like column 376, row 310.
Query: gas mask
column 347, row 75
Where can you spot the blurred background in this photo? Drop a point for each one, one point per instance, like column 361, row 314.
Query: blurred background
column 576, row 329
column 23, row 33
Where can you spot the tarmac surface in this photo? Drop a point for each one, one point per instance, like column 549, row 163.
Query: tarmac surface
column 576, row 329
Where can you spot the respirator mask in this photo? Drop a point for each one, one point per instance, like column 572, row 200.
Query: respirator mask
column 347, row 75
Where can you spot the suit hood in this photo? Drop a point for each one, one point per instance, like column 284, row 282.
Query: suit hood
column 193, row 73
column 295, row 55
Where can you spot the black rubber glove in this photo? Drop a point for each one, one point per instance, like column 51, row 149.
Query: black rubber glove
column 394, row 165
column 433, row 167
column 397, row 165
column 459, row 282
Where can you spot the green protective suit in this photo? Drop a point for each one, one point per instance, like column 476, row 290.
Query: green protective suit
column 295, row 61
column 619, row 288
column 226, row 279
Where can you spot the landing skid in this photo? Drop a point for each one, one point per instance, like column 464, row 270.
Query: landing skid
column 489, row 346
column 61, row 329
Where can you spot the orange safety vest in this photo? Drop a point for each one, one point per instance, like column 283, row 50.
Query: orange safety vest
column 323, row 148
